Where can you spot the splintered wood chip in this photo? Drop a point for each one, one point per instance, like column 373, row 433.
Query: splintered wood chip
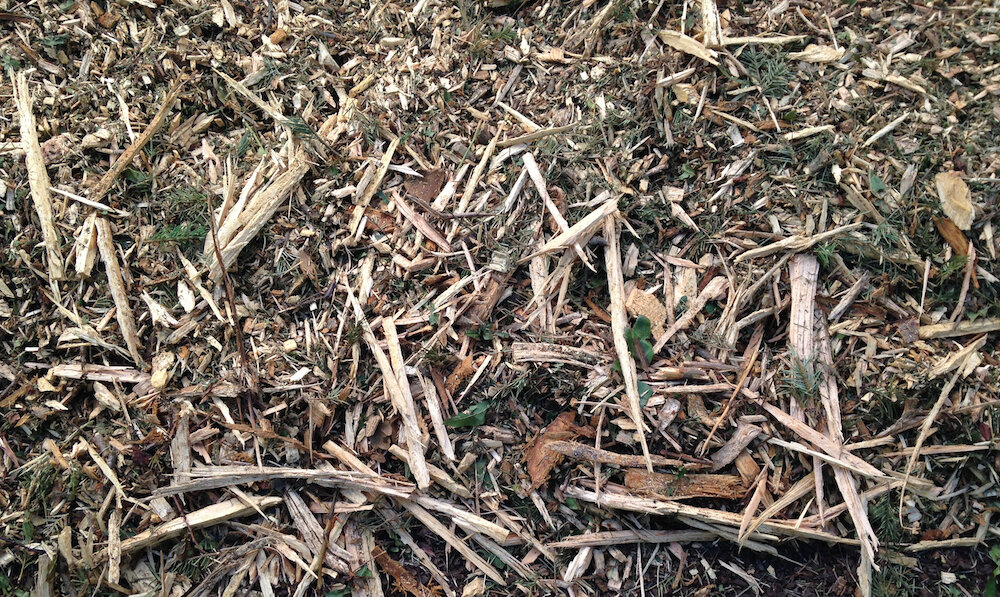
column 162, row 364
column 475, row 588
column 956, row 200
column 684, row 486
column 816, row 53
column 641, row 302
column 689, row 45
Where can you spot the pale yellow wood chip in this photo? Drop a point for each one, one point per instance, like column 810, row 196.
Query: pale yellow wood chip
column 644, row 303
column 126, row 319
column 816, row 54
column 689, row 45
column 619, row 321
column 38, row 178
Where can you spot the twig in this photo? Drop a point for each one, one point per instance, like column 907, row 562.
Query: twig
column 251, row 373
column 616, row 287
column 98, row 191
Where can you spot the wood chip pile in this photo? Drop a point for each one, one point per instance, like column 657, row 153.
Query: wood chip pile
column 433, row 298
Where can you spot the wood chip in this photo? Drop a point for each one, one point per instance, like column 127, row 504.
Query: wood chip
column 123, row 311
column 38, row 178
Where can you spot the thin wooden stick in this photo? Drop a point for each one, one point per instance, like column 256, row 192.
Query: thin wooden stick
column 408, row 412
column 405, row 407
column 98, row 191
column 619, row 321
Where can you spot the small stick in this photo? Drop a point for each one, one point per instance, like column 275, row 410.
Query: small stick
column 104, row 184
column 886, row 129
column 231, row 298
column 619, row 321
column 755, row 340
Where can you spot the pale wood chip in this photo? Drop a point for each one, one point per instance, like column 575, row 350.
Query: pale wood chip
column 619, row 321
column 959, row 328
column 38, row 177
column 676, row 508
column 123, row 311
column 689, row 45
column 258, row 212
column 575, row 233
column 115, row 545
column 207, row 516
column 712, row 291
column 741, row 438
column 611, row 538
column 796, row 243
column 396, row 393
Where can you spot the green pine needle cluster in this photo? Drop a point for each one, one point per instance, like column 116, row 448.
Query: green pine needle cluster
column 768, row 70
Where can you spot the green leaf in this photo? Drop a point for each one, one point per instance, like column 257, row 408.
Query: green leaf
column 647, row 349
column 364, row 572
column 991, row 588
column 135, row 176
column 474, row 417
column 645, row 393
column 638, row 336
column 642, row 328
column 875, row 183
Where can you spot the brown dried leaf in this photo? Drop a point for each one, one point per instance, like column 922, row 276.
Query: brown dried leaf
column 953, row 235
column 428, row 187
column 540, row 460
column 404, row 581
column 465, row 369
